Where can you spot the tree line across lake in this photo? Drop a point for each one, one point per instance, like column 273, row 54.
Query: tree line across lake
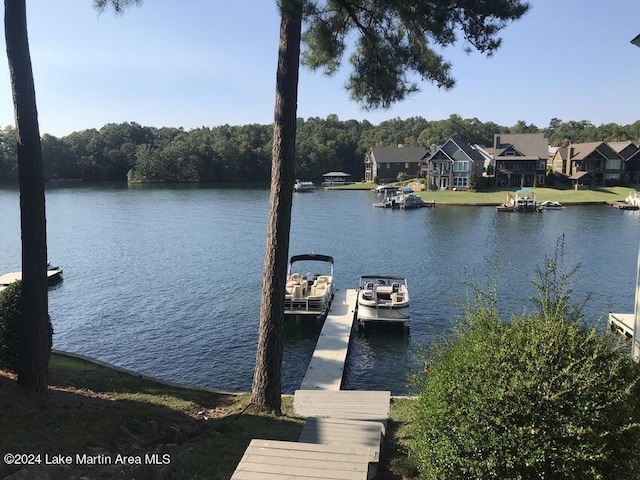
column 227, row 153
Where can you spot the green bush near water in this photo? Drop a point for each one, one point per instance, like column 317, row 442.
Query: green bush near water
column 10, row 317
column 539, row 396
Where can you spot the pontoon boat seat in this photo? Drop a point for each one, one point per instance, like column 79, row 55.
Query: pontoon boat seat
column 397, row 297
column 297, row 291
column 367, row 294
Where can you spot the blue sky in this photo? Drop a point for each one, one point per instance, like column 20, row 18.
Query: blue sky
column 189, row 63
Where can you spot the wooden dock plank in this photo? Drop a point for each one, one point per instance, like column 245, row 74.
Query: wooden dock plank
column 291, row 460
column 345, row 404
column 326, row 367
column 339, row 432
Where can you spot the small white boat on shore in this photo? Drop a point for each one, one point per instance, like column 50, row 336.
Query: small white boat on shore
column 309, row 293
column 383, row 298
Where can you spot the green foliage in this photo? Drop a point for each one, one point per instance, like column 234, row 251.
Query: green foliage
column 395, row 41
column 536, row 397
column 243, row 153
column 10, row 320
column 402, row 177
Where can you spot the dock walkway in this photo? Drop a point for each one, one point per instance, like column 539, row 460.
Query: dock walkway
column 621, row 323
column 9, row 278
column 344, row 428
column 326, row 367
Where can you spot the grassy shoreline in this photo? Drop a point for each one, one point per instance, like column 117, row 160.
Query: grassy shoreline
column 93, row 410
column 493, row 197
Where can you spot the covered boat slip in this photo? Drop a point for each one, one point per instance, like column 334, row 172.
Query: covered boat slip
column 383, row 298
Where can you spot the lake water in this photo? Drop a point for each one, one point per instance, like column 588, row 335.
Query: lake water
column 165, row 280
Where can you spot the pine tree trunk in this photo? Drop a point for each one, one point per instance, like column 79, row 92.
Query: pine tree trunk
column 35, row 334
column 267, row 380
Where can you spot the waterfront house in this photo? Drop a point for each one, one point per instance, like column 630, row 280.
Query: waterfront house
column 630, row 153
column 383, row 164
column 520, row 159
column 591, row 163
column 452, row 165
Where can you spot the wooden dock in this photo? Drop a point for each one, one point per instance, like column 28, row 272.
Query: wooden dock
column 8, row 278
column 268, row 459
column 344, row 428
column 622, row 323
column 344, row 404
column 623, row 205
column 326, row 367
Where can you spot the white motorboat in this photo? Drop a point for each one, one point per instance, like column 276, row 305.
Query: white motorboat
column 308, row 293
column 383, row 298
column 301, row 186
column 550, row 205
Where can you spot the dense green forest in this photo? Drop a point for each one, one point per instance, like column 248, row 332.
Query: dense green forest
column 242, row 153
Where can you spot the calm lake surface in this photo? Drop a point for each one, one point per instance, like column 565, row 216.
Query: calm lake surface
column 165, row 280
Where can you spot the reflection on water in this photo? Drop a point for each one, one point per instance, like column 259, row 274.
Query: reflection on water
column 166, row 280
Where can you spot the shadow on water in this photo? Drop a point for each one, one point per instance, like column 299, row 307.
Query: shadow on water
column 297, row 327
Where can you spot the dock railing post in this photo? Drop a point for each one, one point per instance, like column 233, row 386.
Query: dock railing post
column 635, row 348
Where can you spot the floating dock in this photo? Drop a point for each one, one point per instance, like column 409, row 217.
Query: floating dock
column 53, row 276
column 622, row 323
column 343, row 432
column 623, row 205
column 326, row 367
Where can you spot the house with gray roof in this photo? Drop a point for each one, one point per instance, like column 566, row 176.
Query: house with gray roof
column 590, row 163
column 452, row 166
column 520, row 159
column 383, row 164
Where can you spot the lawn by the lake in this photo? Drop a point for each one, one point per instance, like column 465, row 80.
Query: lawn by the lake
column 566, row 196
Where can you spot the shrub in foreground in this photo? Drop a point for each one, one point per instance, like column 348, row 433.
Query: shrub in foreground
column 10, row 318
column 536, row 397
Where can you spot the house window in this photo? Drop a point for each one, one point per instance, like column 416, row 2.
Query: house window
column 461, row 166
column 406, row 164
column 612, row 176
column 613, row 164
column 460, row 181
column 542, row 165
column 388, row 165
column 509, row 153
column 539, row 179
